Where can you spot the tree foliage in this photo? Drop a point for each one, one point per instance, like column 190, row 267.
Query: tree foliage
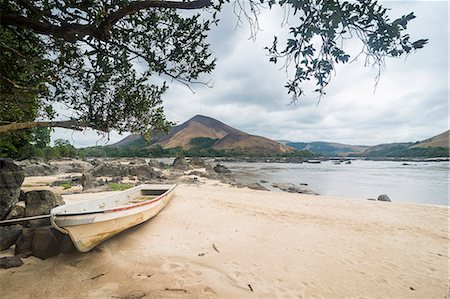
column 109, row 62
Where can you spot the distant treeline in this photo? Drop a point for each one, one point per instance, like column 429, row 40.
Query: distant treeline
column 409, row 152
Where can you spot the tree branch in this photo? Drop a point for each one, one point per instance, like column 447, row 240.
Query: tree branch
column 67, row 124
column 136, row 6
column 74, row 32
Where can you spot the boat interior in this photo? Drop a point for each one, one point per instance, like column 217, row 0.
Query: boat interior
column 131, row 196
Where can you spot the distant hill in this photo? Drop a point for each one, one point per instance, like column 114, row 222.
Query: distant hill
column 441, row 140
column 328, row 148
column 203, row 131
column 437, row 146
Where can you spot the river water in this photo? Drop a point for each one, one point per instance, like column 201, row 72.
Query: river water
column 416, row 182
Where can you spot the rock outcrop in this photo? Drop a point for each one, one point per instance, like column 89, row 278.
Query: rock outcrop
column 180, row 164
column 115, row 169
column 292, row 188
column 384, row 197
column 11, row 179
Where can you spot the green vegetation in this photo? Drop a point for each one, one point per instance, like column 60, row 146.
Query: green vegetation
column 119, row 186
column 414, row 152
column 202, row 142
column 66, row 185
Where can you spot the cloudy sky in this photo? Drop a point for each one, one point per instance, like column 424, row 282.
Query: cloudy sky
column 410, row 102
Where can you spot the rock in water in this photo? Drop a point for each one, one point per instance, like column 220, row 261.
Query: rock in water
column 221, row 169
column 384, row 197
column 11, row 178
column 10, row 261
column 9, row 235
column 24, row 243
column 45, row 243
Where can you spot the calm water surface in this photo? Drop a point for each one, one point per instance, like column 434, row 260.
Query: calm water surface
column 417, row 182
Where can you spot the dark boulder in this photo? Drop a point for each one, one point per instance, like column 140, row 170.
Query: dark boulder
column 9, row 235
column 66, row 245
column 40, row 202
column 24, row 243
column 180, row 163
column 10, row 262
column 11, row 178
column 384, row 197
column 45, row 243
column 221, row 169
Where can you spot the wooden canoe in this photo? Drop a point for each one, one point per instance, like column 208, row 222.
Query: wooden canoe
column 89, row 223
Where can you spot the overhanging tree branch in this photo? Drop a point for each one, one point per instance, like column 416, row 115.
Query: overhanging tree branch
column 74, row 32
column 67, row 124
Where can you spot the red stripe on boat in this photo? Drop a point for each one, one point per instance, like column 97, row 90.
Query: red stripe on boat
column 135, row 205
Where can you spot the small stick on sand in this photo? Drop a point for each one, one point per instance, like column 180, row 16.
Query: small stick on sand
column 176, row 290
column 250, row 287
column 215, row 248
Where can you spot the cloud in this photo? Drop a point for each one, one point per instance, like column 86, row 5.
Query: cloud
column 410, row 102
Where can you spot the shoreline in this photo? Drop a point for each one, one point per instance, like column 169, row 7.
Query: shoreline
column 215, row 240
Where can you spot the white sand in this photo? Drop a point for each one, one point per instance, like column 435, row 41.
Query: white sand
column 282, row 245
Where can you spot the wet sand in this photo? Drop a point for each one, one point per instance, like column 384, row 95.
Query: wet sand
column 214, row 240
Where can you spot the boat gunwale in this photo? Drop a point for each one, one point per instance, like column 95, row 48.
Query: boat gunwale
column 118, row 208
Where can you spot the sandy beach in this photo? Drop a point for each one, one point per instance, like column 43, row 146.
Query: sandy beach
column 214, row 240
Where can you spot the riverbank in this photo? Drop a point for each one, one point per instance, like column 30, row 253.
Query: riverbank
column 214, row 240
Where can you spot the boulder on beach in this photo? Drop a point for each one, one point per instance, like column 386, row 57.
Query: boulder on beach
column 384, row 197
column 11, row 179
column 180, row 163
column 10, row 262
column 9, row 235
column 24, row 243
column 45, row 243
column 40, row 202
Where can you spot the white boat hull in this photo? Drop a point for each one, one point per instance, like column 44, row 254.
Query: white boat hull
column 88, row 227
